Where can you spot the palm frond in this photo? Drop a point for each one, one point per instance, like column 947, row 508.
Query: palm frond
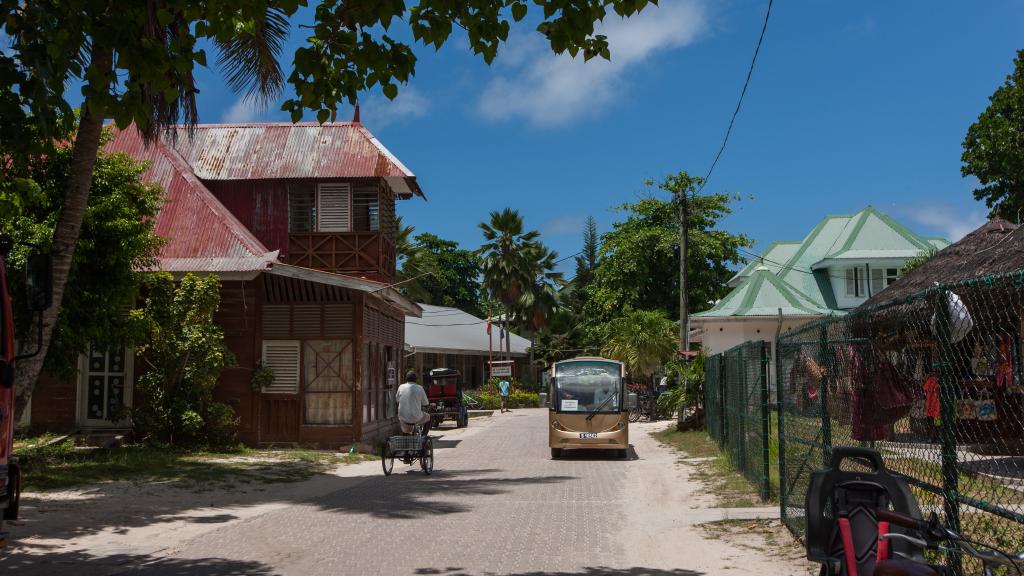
column 251, row 60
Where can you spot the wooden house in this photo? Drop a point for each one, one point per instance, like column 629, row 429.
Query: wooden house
column 298, row 221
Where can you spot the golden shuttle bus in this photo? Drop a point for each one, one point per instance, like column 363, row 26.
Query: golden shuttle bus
column 588, row 405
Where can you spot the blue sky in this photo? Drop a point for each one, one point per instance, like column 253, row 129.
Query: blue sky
column 852, row 103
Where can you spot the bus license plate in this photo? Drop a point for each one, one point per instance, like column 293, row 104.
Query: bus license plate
column 585, row 435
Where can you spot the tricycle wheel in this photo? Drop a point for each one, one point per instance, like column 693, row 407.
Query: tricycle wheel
column 634, row 414
column 427, row 457
column 387, row 458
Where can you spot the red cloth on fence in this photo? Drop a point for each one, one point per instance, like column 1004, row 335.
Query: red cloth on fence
column 880, row 397
column 931, row 397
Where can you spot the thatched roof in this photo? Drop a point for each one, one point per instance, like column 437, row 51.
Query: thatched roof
column 996, row 247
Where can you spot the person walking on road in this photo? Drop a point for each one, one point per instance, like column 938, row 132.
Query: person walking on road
column 503, row 391
column 411, row 401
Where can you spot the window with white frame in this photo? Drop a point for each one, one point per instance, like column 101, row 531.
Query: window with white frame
column 881, row 278
column 855, row 282
column 106, row 383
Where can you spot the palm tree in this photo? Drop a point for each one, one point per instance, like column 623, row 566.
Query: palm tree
column 503, row 260
column 540, row 300
column 642, row 339
column 250, row 60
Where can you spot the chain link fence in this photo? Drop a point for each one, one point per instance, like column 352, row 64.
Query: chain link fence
column 935, row 382
column 737, row 409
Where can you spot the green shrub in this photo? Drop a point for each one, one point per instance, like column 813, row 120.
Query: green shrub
column 515, row 400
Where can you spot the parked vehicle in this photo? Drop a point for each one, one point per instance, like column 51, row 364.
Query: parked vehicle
column 589, row 406
column 39, row 296
column 864, row 520
column 447, row 402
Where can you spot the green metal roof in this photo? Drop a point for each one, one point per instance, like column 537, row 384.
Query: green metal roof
column 773, row 258
column 802, row 267
column 763, row 294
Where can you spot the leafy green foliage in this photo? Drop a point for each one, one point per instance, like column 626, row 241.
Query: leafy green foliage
column 519, row 270
column 994, row 149
column 117, row 240
column 183, row 353
column 642, row 339
column 639, row 262
column 441, row 273
column 515, row 400
column 918, row 260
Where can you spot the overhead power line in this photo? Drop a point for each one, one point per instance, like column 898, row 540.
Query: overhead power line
column 746, row 83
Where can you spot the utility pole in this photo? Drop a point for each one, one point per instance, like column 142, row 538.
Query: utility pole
column 684, row 315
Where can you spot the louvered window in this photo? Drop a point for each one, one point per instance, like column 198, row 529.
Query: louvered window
column 282, row 356
column 301, row 208
column 334, row 207
column 365, row 209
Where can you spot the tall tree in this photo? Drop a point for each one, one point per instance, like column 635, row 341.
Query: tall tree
column 587, row 260
column 135, row 63
column 539, row 300
column 117, row 240
column 994, row 149
column 442, row 274
column 639, row 258
column 642, row 339
column 506, row 272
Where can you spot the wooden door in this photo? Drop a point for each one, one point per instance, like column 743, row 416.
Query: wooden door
column 279, row 415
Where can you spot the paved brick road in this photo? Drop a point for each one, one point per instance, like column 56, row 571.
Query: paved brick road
column 496, row 504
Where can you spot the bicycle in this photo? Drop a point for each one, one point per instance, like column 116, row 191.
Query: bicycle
column 408, row 448
column 933, row 536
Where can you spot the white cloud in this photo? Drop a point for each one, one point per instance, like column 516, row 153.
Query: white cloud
column 548, row 89
column 243, row 110
column 562, row 226
column 378, row 112
column 952, row 222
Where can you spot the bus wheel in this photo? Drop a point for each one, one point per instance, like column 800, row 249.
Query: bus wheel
column 621, row 454
column 556, row 453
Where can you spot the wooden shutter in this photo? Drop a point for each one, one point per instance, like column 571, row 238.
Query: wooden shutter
column 877, row 280
column 338, row 320
column 276, row 321
column 334, row 207
column 282, row 356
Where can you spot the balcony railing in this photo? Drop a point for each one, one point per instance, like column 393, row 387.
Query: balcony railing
column 356, row 253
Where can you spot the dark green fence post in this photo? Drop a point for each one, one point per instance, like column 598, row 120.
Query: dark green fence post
column 781, row 426
column 765, row 458
column 741, row 440
column 826, row 421
column 947, row 414
column 723, row 373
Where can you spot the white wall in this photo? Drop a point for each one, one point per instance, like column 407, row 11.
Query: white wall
column 722, row 335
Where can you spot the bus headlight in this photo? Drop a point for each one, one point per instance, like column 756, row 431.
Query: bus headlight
column 557, row 425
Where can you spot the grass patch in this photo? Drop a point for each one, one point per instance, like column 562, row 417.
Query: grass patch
column 63, row 465
column 730, row 488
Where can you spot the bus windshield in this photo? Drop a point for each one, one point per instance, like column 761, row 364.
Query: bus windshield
column 588, row 386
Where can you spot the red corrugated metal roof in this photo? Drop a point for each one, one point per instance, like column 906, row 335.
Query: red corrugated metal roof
column 285, row 150
column 203, row 236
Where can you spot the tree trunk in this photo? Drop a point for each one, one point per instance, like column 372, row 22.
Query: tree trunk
column 65, row 237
